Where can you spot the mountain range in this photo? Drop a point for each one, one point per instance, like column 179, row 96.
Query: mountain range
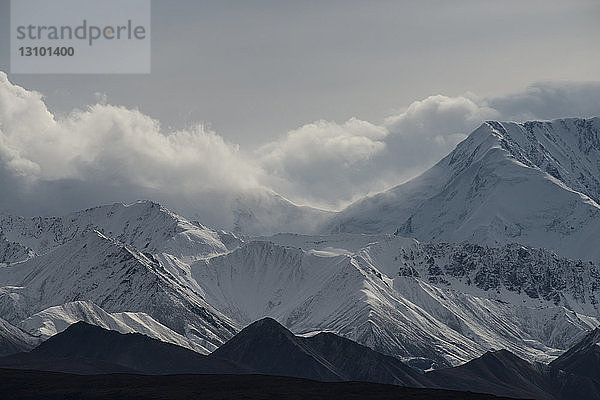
column 266, row 347
column 491, row 252
column 426, row 303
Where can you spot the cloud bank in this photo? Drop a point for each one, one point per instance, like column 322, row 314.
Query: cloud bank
column 108, row 153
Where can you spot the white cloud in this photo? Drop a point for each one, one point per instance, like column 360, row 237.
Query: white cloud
column 324, row 162
column 107, row 153
column 331, row 164
column 440, row 116
column 113, row 147
column 549, row 100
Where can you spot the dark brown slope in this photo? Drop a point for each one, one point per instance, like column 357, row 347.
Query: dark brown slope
column 360, row 363
column 34, row 385
column 576, row 373
column 572, row 376
column 496, row 372
column 268, row 347
column 583, row 359
column 89, row 349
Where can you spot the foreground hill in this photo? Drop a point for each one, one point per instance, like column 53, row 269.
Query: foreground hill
column 572, row 376
column 267, row 347
column 27, row 385
column 583, row 359
column 87, row 344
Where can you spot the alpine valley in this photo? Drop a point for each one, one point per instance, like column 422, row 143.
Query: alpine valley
column 491, row 256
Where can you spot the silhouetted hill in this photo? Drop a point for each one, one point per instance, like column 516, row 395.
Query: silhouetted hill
column 33, row 385
column 496, row 372
column 583, row 359
column 359, row 363
column 87, row 345
column 268, row 347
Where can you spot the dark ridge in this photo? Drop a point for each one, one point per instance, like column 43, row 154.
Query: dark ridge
column 583, row 359
column 268, row 347
column 33, row 385
column 89, row 344
column 360, row 363
column 496, row 372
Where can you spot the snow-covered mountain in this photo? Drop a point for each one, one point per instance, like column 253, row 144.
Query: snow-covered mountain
column 262, row 212
column 145, row 225
column 140, row 267
column 11, row 252
column 438, row 300
column 441, row 302
column 53, row 320
column 311, row 292
column 15, row 340
column 535, row 183
column 252, row 212
column 431, row 304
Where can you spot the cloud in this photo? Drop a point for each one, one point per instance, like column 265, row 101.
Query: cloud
column 110, row 147
column 550, row 100
column 331, row 164
column 429, row 129
column 323, row 162
column 438, row 116
column 106, row 153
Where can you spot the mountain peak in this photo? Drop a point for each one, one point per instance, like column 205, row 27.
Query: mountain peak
column 268, row 347
column 267, row 322
column 536, row 183
column 266, row 329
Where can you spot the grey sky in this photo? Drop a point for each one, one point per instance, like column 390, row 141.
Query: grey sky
column 257, row 69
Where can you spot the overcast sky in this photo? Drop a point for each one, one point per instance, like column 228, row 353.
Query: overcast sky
column 322, row 101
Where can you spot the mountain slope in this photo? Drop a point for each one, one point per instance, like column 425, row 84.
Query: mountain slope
column 82, row 341
column 310, row 291
column 432, row 305
column 268, row 347
column 502, row 373
column 495, row 373
column 583, row 359
column 534, row 183
column 53, row 320
column 11, row 252
column 263, row 212
column 144, row 225
column 359, row 363
column 14, row 340
column 576, row 373
column 114, row 276
column 425, row 303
